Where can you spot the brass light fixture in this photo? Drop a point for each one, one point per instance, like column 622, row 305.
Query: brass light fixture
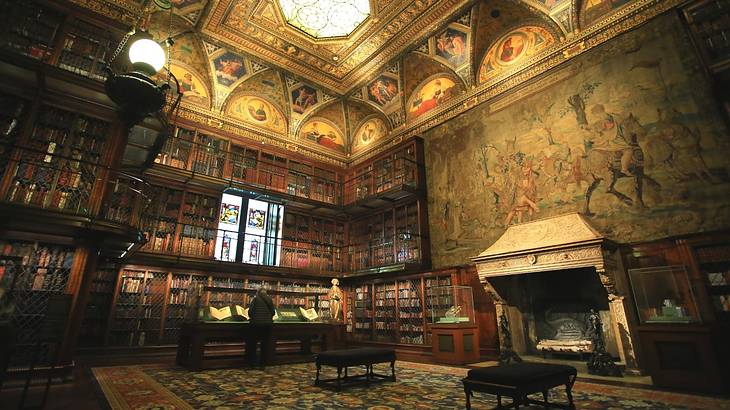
column 135, row 91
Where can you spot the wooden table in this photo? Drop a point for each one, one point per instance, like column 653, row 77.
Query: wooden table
column 195, row 336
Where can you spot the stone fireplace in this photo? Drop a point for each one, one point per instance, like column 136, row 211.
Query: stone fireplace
column 546, row 275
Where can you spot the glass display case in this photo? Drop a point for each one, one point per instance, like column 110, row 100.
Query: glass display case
column 451, row 304
column 663, row 295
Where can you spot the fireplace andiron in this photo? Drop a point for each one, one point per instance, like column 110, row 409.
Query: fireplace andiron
column 600, row 362
column 506, row 354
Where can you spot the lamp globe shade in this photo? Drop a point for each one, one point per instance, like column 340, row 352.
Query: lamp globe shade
column 146, row 56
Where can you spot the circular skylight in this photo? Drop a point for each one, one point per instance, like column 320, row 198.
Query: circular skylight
column 325, row 18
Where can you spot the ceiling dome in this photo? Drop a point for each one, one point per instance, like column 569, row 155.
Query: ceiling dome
column 325, row 18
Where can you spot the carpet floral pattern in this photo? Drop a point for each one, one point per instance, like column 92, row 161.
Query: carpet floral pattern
column 291, row 387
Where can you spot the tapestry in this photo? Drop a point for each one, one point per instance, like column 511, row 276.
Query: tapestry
column 628, row 134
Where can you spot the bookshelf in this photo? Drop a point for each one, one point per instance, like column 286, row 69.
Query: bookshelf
column 40, row 270
column 411, row 319
column 84, row 49
column 217, row 157
column 58, row 165
column 243, row 164
column 363, row 312
column 714, row 265
column 180, row 299
column 98, row 306
column 198, row 225
column 137, row 314
column 396, row 310
column 209, row 155
column 385, row 323
column 393, row 170
column 161, row 220
column 12, row 113
column 386, row 237
column 28, row 29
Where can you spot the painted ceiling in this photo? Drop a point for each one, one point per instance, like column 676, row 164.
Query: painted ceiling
column 340, row 80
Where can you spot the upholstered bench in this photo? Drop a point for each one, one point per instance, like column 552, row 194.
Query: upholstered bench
column 365, row 356
column 520, row 380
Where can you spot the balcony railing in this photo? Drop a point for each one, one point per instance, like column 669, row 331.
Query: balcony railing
column 48, row 180
column 198, row 241
column 218, row 161
column 382, row 177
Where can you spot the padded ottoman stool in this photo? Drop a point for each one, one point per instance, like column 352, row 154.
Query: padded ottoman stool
column 519, row 380
column 365, row 356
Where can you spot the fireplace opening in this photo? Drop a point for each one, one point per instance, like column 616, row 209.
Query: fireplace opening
column 548, row 311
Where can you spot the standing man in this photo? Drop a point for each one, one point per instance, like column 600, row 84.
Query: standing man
column 261, row 311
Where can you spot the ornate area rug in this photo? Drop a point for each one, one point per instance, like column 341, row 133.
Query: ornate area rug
column 291, row 387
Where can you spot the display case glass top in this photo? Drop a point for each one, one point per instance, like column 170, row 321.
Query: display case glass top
column 663, row 295
column 452, row 304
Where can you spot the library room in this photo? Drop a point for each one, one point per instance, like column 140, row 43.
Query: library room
column 365, row 204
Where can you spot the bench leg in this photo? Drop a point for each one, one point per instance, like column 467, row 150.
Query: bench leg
column 569, row 393
column 499, row 401
column 545, row 398
column 339, row 375
column 392, row 369
column 316, row 381
column 467, row 391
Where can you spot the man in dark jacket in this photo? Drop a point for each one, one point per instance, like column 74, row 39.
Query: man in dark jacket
column 261, row 314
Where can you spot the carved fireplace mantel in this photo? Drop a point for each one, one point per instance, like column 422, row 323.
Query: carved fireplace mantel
column 557, row 243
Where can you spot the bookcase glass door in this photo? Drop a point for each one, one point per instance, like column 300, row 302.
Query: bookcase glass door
column 138, row 311
column 58, row 167
column 38, row 272
column 98, row 306
column 385, row 314
column 411, row 319
column 714, row 264
column 363, row 313
column 28, row 29
column 12, row 114
column 180, row 303
column 433, row 303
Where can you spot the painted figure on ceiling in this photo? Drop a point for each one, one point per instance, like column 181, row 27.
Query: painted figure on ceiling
column 259, row 114
column 512, row 48
column 304, row 98
column 451, row 45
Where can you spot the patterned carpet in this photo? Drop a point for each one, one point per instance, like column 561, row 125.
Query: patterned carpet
column 290, row 387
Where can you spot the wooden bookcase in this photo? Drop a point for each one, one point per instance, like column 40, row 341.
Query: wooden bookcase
column 147, row 306
column 59, row 162
column 396, row 310
column 40, row 271
column 390, row 236
column 395, row 170
column 311, row 242
column 98, row 306
column 12, row 113
column 217, row 157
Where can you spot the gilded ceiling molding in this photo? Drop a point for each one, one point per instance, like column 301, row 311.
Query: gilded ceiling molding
column 388, row 38
column 127, row 12
column 620, row 22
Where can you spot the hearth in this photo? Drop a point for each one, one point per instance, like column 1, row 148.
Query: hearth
column 549, row 310
column 547, row 274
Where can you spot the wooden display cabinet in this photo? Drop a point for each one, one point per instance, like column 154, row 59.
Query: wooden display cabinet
column 690, row 355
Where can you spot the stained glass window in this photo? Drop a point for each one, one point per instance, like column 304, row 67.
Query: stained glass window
column 325, row 18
